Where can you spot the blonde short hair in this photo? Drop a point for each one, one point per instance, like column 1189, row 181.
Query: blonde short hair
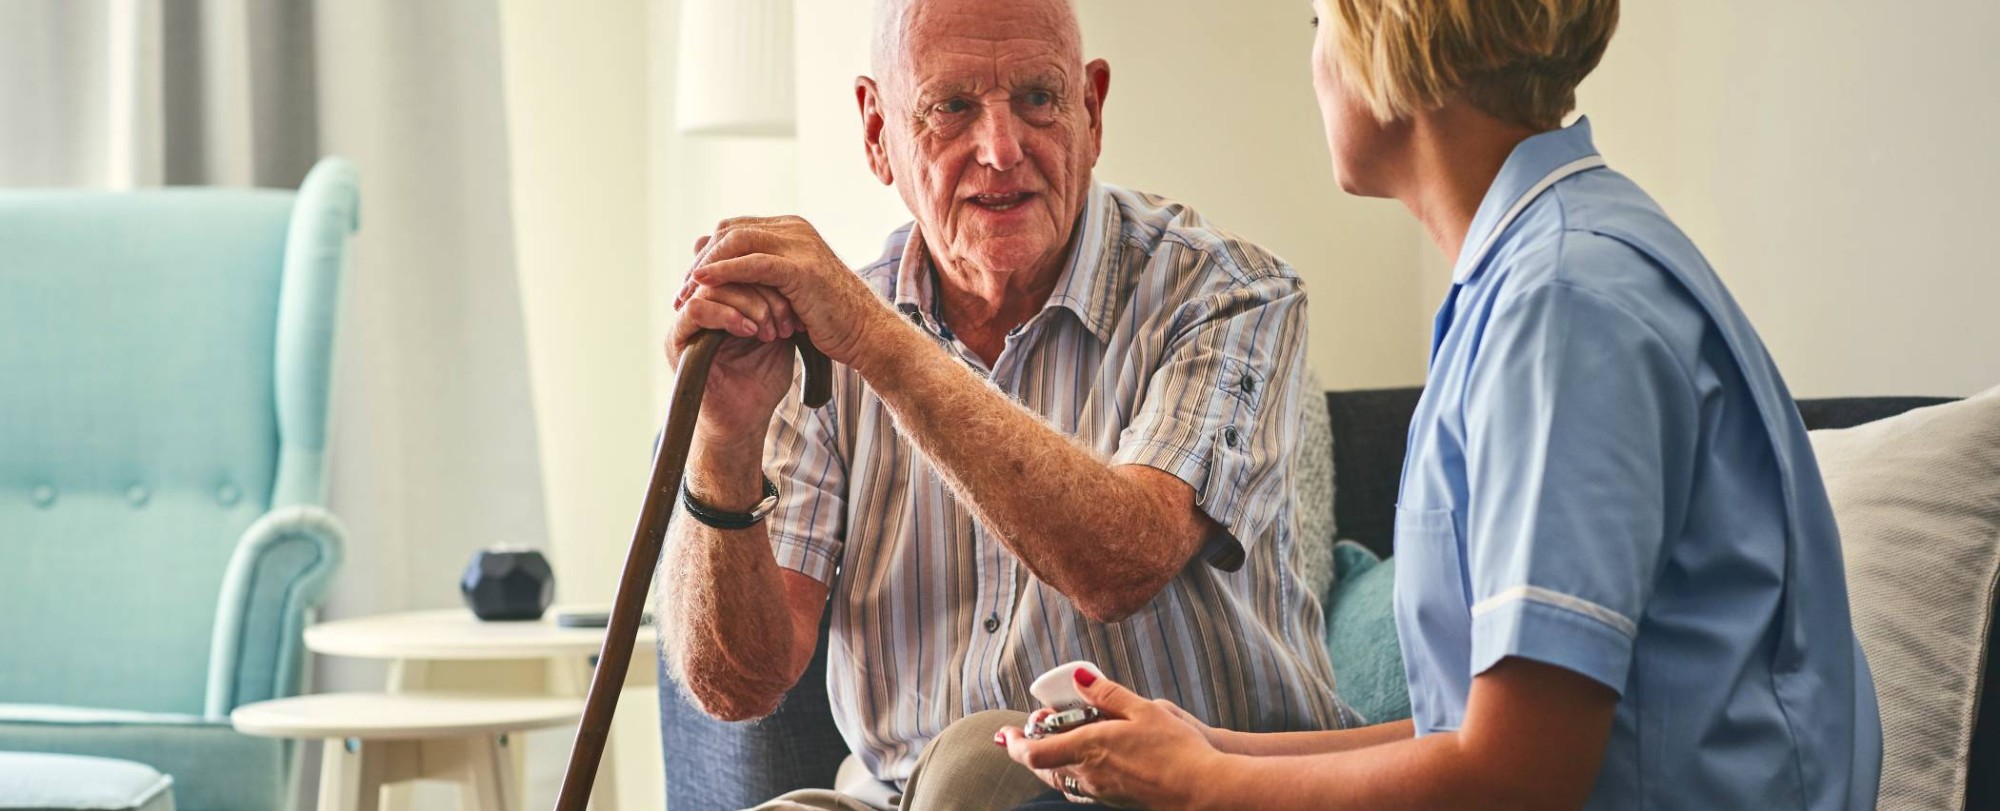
column 1516, row 60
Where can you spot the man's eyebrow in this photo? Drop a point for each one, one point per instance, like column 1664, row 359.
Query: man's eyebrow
column 1048, row 79
column 944, row 88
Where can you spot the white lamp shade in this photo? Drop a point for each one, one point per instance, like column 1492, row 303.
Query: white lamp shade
column 734, row 71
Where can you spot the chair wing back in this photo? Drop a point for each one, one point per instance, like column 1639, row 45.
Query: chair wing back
column 165, row 359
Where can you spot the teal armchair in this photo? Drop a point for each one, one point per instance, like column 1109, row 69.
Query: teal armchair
column 164, row 372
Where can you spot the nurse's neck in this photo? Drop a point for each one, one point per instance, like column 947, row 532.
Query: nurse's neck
column 1454, row 153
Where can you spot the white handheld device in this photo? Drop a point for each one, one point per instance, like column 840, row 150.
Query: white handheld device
column 1056, row 690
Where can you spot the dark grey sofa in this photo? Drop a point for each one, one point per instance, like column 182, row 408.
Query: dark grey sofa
column 715, row 765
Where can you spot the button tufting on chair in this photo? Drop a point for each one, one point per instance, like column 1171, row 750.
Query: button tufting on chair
column 173, row 585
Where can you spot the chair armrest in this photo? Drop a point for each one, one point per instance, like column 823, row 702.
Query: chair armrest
column 718, row 764
column 278, row 574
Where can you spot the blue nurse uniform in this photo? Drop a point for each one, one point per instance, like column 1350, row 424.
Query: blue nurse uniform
column 1607, row 474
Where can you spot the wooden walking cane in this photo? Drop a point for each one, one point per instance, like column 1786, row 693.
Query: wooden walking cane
column 668, row 465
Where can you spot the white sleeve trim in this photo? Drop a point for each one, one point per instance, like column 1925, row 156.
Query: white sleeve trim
column 1537, row 594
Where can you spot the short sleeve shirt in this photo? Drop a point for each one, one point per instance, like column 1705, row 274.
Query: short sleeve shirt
column 1166, row 343
column 1606, row 474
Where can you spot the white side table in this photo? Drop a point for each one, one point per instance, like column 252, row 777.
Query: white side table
column 451, row 650
column 373, row 740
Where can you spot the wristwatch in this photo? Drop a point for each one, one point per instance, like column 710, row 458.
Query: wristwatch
column 720, row 519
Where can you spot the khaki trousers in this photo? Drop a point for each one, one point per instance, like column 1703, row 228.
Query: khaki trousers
column 960, row 770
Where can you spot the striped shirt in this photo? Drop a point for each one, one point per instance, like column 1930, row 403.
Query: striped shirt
column 1166, row 343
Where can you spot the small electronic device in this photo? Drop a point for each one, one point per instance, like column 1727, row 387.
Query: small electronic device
column 1059, row 722
column 1057, row 691
column 592, row 618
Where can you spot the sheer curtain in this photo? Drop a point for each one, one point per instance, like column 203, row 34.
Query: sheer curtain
column 434, row 433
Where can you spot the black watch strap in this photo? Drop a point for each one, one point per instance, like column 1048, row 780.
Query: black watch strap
column 720, row 519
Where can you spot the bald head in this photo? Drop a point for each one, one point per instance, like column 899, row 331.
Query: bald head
column 899, row 23
column 985, row 118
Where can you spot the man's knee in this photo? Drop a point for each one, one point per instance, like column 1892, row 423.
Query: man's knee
column 961, row 769
column 979, row 727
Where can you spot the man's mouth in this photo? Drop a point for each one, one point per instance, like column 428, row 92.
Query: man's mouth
column 1001, row 201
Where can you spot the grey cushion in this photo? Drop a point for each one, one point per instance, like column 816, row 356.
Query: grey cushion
column 1313, row 479
column 32, row 781
column 1918, row 501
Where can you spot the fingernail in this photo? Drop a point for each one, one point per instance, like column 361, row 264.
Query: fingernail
column 1084, row 678
column 1000, row 738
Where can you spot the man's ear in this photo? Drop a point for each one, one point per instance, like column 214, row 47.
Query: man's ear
column 1097, row 81
column 869, row 97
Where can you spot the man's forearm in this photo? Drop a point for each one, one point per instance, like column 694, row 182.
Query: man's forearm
column 1104, row 539
column 728, row 630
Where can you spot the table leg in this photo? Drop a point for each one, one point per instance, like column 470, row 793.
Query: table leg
column 499, row 677
column 405, row 676
column 409, row 675
column 490, row 782
column 603, row 795
column 349, row 779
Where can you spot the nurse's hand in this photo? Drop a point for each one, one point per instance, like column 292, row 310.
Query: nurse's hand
column 1141, row 755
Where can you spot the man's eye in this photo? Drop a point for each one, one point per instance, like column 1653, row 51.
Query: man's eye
column 1040, row 98
column 954, row 106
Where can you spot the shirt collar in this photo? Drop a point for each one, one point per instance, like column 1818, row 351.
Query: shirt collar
column 1532, row 161
column 1087, row 286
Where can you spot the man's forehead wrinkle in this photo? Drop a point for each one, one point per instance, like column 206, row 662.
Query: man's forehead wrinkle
column 1049, row 22
column 924, row 45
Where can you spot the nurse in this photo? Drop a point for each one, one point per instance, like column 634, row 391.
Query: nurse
column 1619, row 582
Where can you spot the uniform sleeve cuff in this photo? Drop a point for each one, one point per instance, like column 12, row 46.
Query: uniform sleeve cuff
column 1556, row 629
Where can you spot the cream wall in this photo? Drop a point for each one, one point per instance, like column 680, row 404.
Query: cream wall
column 576, row 87
column 1835, row 160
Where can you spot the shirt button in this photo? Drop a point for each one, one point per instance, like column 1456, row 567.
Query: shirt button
column 1229, row 436
column 227, row 495
column 1248, row 384
column 138, row 494
column 992, row 624
column 43, row 495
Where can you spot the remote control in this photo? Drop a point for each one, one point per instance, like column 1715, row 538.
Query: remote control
column 1056, row 690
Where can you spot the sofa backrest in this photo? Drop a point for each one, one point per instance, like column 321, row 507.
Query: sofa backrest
column 139, row 433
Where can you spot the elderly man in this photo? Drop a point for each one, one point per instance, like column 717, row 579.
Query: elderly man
column 1063, row 427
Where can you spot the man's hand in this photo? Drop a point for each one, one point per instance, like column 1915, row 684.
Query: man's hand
column 750, row 376
column 787, row 262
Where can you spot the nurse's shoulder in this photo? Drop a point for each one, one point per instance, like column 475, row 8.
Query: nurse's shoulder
column 1578, row 238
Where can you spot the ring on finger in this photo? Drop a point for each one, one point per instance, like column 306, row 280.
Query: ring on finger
column 1070, row 787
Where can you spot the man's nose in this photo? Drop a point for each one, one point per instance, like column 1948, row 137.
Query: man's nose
column 999, row 141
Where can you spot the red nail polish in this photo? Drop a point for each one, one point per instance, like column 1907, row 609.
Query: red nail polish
column 1084, row 678
column 1000, row 738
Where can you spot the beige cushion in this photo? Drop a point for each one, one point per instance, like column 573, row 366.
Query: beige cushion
column 1313, row 482
column 1918, row 501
